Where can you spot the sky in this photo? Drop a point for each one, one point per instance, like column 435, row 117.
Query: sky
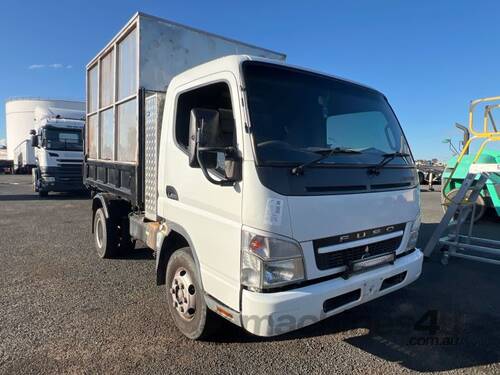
column 430, row 58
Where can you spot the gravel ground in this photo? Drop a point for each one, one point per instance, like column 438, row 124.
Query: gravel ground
column 64, row 310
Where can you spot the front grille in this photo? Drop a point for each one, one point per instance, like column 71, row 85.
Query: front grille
column 79, row 161
column 64, row 173
column 343, row 257
column 70, row 167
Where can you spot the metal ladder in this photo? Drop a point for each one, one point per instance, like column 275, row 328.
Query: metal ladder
column 463, row 207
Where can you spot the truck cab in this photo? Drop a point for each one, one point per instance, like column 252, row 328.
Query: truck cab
column 298, row 231
column 58, row 145
column 272, row 196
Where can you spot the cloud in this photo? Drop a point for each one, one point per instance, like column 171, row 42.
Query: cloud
column 49, row 66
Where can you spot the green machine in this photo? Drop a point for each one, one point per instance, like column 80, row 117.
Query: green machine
column 471, row 185
column 489, row 197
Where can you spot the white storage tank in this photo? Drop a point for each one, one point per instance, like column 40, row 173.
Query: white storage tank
column 19, row 117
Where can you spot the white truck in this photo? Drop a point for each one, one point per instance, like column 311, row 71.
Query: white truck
column 272, row 196
column 58, row 143
column 24, row 157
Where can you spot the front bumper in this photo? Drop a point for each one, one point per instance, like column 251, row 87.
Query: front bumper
column 61, row 186
column 64, row 178
column 270, row 314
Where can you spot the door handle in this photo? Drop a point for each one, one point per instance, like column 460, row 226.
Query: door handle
column 172, row 193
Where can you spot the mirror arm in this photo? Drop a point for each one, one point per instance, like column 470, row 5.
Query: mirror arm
column 204, row 169
column 228, row 151
column 210, row 178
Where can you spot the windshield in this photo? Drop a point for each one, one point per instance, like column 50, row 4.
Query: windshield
column 63, row 139
column 295, row 115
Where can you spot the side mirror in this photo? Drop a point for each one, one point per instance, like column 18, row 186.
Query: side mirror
column 34, row 138
column 451, row 146
column 232, row 166
column 203, row 147
column 466, row 135
column 203, row 125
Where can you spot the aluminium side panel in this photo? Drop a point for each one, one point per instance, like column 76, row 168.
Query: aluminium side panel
column 153, row 112
column 167, row 49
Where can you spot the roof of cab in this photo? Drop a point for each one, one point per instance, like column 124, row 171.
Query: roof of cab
column 233, row 63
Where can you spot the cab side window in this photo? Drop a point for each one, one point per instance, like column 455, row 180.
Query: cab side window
column 215, row 96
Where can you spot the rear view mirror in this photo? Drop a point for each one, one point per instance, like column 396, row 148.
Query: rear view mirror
column 232, row 168
column 466, row 136
column 203, row 147
column 34, row 138
column 203, row 125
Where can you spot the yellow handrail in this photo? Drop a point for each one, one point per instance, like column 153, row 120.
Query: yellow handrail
column 486, row 135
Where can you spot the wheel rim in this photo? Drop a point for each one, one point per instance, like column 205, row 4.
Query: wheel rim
column 183, row 293
column 99, row 232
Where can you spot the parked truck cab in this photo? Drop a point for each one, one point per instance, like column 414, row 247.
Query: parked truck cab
column 273, row 196
column 58, row 145
column 297, row 230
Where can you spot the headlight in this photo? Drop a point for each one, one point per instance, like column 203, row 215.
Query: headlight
column 415, row 227
column 268, row 262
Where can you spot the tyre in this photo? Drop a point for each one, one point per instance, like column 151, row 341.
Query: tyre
column 43, row 194
column 480, row 203
column 186, row 301
column 105, row 239
column 34, row 179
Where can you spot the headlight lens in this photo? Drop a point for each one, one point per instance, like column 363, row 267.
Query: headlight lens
column 268, row 262
column 415, row 227
column 283, row 272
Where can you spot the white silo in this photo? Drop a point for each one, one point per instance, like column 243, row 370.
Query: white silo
column 19, row 117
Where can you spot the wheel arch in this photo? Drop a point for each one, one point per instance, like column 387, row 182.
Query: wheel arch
column 112, row 206
column 176, row 238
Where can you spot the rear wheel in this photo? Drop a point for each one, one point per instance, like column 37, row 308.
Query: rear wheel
column 42, row 193
column 105, row 239
column 186, row 299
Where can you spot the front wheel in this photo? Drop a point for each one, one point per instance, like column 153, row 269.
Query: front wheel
column 186, row 299
column 35, row 178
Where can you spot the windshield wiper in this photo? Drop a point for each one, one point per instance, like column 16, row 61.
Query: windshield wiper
column 325, row 154
column 386, row 158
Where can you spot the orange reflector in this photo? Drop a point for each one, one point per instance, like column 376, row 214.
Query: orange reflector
column 225, row 313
